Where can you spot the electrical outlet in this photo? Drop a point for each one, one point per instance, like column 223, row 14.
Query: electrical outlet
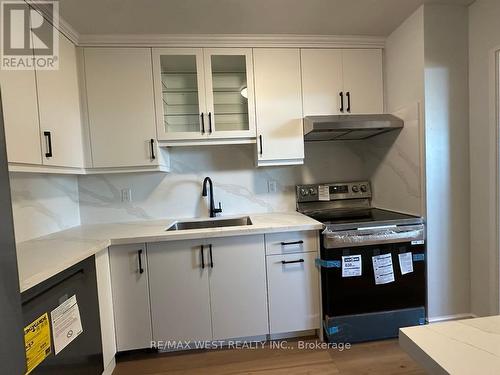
column 272, row 186
column 126, row 195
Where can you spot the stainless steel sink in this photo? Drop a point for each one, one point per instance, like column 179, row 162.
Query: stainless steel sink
column 212, row 223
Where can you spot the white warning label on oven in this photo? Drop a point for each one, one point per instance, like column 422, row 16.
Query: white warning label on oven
column 351, row 265
column 382, row 269
column 406, row 263
column 323, row 193
column 66, row 323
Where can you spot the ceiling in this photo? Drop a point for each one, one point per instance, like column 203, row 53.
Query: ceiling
column 308, row 17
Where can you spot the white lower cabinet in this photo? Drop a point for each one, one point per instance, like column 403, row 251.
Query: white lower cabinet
column 238, row 287
column 180, row 299
column 208, row 289
column 131, row 305
column 293, row 288
column 213, row 289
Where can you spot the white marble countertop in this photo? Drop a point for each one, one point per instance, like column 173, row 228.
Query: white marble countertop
column 469, row 346
column 44, row 257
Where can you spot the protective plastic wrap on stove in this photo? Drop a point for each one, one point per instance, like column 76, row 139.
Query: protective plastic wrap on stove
column 366, row 236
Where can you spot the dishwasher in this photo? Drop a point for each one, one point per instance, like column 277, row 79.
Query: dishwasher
column 83, row 355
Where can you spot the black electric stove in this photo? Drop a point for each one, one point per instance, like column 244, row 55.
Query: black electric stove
column 359, row 302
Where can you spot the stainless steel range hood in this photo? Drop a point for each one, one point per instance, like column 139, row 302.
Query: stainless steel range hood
column 350, row 127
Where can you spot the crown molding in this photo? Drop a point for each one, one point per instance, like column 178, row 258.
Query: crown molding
column 222, row 40
column 64, row 27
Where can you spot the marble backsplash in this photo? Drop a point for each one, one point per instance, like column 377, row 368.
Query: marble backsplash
column 43, row 204
column 240, row 186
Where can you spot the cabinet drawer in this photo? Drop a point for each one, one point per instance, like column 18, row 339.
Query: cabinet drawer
column 293, row 287
column 291, row 242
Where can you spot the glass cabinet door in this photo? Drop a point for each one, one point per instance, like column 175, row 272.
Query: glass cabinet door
column 180, row 93
column 229, row 90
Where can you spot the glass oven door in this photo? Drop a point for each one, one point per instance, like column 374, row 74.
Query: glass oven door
column 361, row 294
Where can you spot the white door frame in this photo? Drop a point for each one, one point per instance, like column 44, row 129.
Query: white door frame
column 494, row 122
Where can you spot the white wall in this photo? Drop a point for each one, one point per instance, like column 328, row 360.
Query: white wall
column 237, row 183
column 43, row 204
column 447, row 158
column 484, row 39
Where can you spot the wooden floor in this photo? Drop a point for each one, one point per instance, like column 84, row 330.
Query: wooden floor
column 382, row 357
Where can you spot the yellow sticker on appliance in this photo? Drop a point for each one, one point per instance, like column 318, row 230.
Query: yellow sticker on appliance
column 37, row 342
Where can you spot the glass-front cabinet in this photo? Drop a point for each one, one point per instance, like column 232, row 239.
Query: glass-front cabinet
column 204, row 93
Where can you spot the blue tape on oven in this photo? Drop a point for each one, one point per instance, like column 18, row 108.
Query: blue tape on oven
column 421, row 321
column 328, row 263
column 332, row 330
column 418, row 257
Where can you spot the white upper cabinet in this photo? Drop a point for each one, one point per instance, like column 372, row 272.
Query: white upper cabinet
column 203, row 94
column 321, row 81
column 342, row 81
column 363, row 80
column 59, row 108
column 121, row 115
column 230, row 92
column 278, row 106
column 179, row 87
column 20, row 112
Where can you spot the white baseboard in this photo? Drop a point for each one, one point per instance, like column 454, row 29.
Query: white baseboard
column 110, row 367
column 445, row 318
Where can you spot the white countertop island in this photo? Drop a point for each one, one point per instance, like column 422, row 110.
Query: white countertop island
column 43, row 257
column 469, row 346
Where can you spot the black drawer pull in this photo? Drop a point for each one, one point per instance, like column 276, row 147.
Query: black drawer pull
column 139, row 255
column 292, row 261
column 292, row 243
column 348, row 94
column 48, row 154
column 209, row 122
column 341, row 102
column 202, row 257
column 202, row 123
column 261, row 151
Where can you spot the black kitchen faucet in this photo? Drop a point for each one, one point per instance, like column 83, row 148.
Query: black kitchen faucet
column 213, row 211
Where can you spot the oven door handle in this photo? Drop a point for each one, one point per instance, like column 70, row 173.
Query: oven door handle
column 352, row 238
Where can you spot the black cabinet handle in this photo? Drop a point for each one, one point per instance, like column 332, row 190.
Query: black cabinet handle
column 139, row 255
column 211, row 257
column 261, row 151
column 152, row 143
column 292, row 243
column 292, row 261
column 348, row 94
column 209, row 122
column 47, row 135
column 202, row 257
column 341, row 102
column 202, row 123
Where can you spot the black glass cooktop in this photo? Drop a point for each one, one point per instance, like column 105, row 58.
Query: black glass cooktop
column 341, row 220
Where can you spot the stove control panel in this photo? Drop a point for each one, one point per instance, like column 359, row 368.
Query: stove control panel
column 333, row 191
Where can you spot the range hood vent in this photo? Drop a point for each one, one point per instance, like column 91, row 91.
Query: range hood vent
column 350, row 127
